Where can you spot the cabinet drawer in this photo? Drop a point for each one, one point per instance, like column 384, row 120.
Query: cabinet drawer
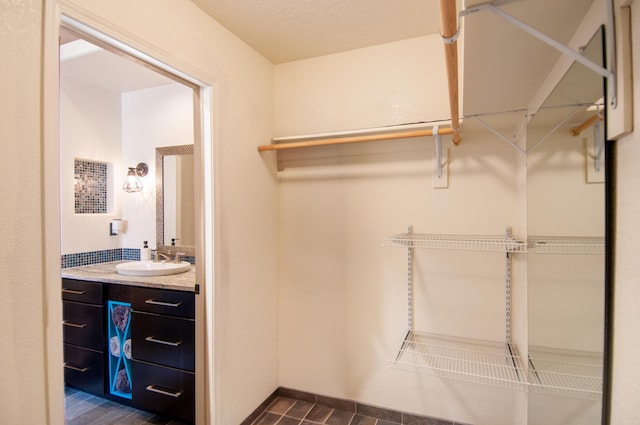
column 167, row 302
column 163, row 390
column 84, row 369
column 82, row 325
column 168, row 341
column 82, row 291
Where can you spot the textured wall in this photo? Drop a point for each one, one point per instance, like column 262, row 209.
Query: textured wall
column 22, row 388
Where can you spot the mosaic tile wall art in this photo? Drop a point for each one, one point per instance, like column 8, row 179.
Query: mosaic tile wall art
column 91, row 187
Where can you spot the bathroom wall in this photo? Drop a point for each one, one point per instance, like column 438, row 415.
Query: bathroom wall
column 151, row 118
column 121, row 130
column 91, row 129
column 343, row 306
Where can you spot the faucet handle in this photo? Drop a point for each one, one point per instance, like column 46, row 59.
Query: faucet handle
column 179, row 256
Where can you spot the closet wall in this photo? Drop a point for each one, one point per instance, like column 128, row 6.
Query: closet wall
column 343, row 297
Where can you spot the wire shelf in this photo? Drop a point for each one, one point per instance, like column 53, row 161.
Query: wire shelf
column 581, row 245
column 501, row 243
column 483, row 362
column 568, row 373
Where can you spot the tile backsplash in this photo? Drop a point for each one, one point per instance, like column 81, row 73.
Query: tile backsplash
column 104, row 256
column 93, row 257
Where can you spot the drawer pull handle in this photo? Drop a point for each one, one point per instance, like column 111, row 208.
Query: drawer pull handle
column 73, row 291
column 163, row 303
column 154, row 389
column 77, row 369
column 159, row 341
column 75, row 325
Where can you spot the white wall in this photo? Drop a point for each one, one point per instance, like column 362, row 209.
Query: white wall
column 22, row 313
column 90, row 128
column 394, row 83
column 151, row 118
column 121, row 130
column 342, row 295
column 626, row 372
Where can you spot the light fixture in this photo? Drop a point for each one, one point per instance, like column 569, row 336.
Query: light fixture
column 132, row 182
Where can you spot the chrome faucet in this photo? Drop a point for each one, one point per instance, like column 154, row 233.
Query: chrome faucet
column 164, row 255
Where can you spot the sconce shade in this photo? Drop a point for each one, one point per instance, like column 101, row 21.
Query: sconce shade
column 132, row 182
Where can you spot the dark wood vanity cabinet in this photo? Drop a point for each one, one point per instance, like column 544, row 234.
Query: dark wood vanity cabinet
column 160, row 367
column 163, row 351
column 83, row 335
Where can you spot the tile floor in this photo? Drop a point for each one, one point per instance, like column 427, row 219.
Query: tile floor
column 86, row 409
column 287, row 411
column 284, row 410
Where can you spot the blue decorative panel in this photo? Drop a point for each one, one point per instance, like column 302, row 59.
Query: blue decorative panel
column 90, row 181
column 119, row 348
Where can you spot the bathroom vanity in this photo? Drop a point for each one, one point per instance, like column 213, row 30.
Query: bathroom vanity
column 131, row 339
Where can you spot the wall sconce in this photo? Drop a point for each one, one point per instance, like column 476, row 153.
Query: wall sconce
column 132, row 182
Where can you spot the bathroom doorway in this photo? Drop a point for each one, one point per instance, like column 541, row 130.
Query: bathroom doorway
column 144, row 73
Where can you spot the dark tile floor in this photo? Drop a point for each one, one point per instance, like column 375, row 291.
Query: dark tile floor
column 288, row 411
column 81, row 408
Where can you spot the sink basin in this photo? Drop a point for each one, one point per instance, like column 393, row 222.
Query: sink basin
column 151, row 268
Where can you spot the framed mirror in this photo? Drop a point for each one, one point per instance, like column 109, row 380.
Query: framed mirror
column 175, row 230
column 566, row 260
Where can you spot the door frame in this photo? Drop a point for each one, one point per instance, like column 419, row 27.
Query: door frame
column 205, row 111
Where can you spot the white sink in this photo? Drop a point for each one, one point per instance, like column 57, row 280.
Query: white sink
column 151, row 268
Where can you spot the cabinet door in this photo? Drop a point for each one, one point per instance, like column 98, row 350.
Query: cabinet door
column 84, row 369
column 164, row 390
column 168, row 341
column 82, row 325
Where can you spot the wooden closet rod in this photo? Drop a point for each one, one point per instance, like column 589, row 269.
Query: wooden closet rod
column 448, row 19
column 353, row 139
column 586, row 124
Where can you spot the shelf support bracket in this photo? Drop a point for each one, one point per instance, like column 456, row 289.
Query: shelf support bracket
column 609, row 74
column 500, row 135
column 440, row 176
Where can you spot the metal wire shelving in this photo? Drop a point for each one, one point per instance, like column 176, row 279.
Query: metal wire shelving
column 579, row 245
column 568, row 373
column 485, row 362
column 499, row 243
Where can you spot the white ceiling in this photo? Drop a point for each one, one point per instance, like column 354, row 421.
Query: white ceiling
column 288, row 30
column 89, row 64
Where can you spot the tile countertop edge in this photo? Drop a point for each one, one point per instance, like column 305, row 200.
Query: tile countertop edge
column 106, row 273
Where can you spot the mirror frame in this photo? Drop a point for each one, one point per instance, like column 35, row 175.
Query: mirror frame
column 161, row 152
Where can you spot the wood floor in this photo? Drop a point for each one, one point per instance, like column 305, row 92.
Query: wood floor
column 85, row 409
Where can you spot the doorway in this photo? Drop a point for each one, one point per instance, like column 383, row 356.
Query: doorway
column 159, row 74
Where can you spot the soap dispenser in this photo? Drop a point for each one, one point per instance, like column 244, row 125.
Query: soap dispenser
column 145, row 252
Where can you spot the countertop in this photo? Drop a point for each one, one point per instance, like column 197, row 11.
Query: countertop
column 106, row 273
